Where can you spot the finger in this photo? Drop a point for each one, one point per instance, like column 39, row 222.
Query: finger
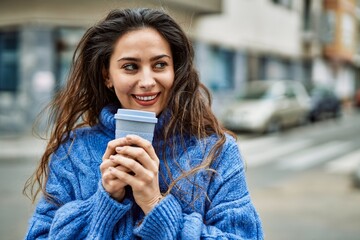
column 110, row 149
column 128, row 163
column 139, row 172
column 106, row 164
column 143, row 143
column 113, row 185
column 125, row 177
column 122, row 168
column 107, row 176
column 109, row 163
column 138, row 154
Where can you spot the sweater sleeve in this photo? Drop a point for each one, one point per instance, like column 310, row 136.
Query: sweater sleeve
column 91, row 218
column 231, row 214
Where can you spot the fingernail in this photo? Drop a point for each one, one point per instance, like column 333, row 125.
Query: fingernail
column 118, row 149
column 130, row 136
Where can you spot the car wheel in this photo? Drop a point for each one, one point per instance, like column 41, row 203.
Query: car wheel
column 304, row 120
column 273, row 126
column 337, row 113
column 356, row 178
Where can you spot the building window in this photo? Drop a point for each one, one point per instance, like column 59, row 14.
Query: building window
column 272, row 67
column 328, row 27
column 307, row 15
column 222, row 76
column 9, row 61
column 216, row 66
column 286, row 3
column 66, row 41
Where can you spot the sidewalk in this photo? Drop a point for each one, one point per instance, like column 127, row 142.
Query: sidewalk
column 20, row 147
column 313, row 205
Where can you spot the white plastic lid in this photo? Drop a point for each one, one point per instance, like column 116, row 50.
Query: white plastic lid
column 136, row 115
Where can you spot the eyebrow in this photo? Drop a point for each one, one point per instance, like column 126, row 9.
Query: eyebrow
column 139, row 60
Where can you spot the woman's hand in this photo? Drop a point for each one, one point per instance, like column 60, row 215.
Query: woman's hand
column 114, row 186
column 138, row 157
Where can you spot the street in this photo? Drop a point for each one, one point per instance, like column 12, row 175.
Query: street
column 299, row 180
column 18, row 157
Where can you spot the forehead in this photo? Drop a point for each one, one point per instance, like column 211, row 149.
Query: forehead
column 142, row 31
column 142, row 38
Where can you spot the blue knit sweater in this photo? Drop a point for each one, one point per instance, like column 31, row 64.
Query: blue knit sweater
column 217, row 206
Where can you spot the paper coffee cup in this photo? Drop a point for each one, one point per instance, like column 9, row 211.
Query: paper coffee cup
column 141, row 123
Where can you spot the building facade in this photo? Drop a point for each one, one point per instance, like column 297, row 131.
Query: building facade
column 236, row 41
column 37, row 41
column 316, row 42
column 337, row 64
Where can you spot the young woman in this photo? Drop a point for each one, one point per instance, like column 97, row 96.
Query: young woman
column 189, row 183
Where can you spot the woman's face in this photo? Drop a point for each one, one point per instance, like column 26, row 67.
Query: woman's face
column 141, row 70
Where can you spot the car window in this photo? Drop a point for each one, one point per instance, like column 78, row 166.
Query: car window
column 276, row 91
column 290, row 93
column 254, row 91
column 267, row 90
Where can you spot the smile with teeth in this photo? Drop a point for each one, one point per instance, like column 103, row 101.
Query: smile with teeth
column 145, row 98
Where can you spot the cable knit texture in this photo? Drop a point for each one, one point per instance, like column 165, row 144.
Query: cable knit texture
column 220, row 209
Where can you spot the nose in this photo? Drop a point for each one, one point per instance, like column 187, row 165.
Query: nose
column 147, row 80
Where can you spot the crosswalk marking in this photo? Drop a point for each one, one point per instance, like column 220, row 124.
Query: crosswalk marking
column 253, row 145
column 269, row 154
column 313, row 156
column 300, row 154
column 345, row 164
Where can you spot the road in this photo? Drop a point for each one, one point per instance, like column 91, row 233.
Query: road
column 18, row 159
column 299, row 181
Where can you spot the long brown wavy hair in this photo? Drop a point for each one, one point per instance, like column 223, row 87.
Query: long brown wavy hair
column 79, row 103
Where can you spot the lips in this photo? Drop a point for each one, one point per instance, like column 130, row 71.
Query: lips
column 146, row 99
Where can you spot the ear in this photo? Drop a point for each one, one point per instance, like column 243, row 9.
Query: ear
column 108, row 83
column 105, row 75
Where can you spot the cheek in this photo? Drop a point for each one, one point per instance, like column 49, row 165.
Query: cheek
column 122, row 88
column 169, row 84
column 122, row 85
column 122, row 92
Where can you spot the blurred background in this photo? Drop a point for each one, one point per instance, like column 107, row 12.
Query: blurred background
column 284, row 75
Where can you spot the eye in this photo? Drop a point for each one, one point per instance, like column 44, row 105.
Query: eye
column 130, row 67
column 160, row 65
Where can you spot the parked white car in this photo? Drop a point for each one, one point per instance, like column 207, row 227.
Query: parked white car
column 268, row 106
